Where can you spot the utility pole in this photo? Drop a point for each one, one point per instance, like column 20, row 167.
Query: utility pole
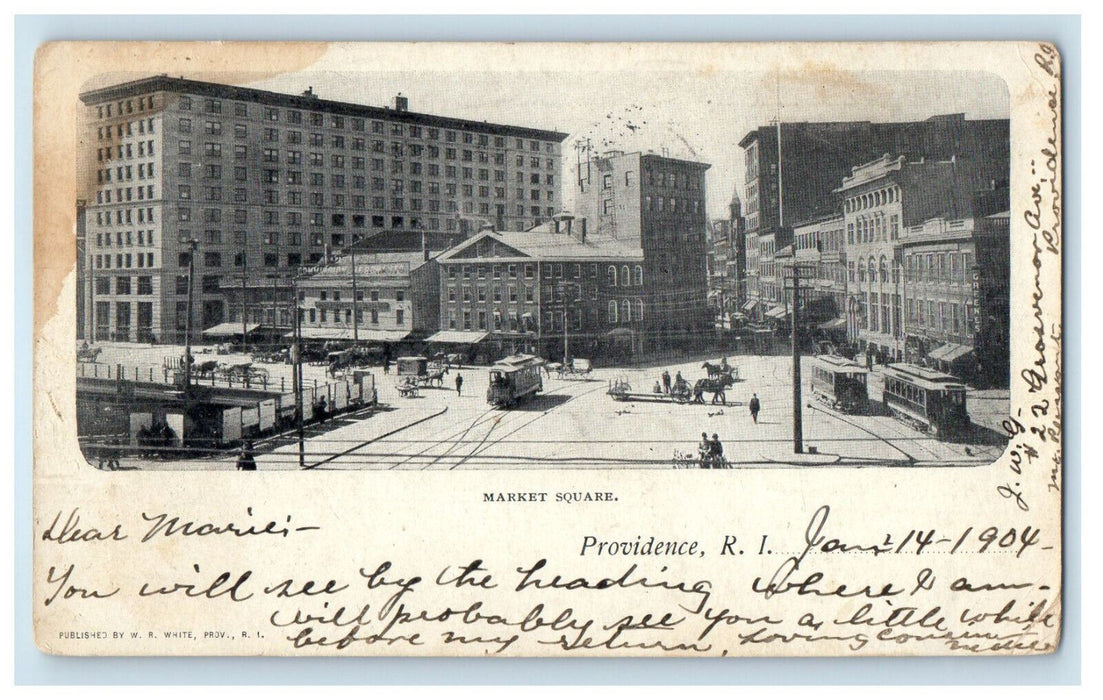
column 244, row 275
column 355, row 310
column 192, row 246
column 297, row 369
column 798, row 427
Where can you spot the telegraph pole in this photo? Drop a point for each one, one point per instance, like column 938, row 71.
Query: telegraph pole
column 297, row 369
column 192, row 246
column 355, row 320
column 244, row 275
column 798, row 427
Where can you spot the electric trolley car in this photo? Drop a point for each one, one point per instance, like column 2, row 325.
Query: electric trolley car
column 514, row 379
column 929, row 400
column 841, row 384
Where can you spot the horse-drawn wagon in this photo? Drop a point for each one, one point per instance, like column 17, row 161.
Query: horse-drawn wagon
column 572, row 369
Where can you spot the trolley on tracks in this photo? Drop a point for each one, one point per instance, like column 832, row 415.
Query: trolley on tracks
column 927, row 399
column 841, row 384
column 514, row 379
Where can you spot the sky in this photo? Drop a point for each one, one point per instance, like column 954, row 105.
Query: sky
column 697, row 116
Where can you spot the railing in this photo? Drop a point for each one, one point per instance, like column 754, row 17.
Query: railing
column 172, row 375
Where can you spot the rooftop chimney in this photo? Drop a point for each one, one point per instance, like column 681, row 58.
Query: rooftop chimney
column 401, row 104
column 424, row 246
column 582, row 233
column 309, row 92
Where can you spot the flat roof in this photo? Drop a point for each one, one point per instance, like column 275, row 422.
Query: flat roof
column 234, row 92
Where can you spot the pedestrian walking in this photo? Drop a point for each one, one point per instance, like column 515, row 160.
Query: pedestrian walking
column 459, row 384
column 245, row 461
column 386, row 365
column 666, row 382
column 755, row 407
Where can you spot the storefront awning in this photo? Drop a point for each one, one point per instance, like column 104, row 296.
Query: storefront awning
column 458, row 337
column 230, row 329
column 750, row 304
column 950, row 352
column 833, row 325
column 778, row 312
column 338, row 333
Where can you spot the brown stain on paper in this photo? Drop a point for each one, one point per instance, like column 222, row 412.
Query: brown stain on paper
column 65, row 69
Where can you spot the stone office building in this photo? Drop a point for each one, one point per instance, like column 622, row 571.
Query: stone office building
column 265, row 182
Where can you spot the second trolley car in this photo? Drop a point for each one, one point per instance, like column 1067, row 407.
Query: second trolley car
column 840, row 383
column 514, row 379
column 929, row 400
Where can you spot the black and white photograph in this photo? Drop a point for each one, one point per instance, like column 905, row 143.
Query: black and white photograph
column 548, row 350
column 483, row 270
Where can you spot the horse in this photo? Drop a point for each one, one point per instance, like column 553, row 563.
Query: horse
column 437, row 376
column 712, row 385
column 719, row 370
column 204, row 369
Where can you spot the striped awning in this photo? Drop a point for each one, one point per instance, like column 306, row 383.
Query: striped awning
column 778, row 312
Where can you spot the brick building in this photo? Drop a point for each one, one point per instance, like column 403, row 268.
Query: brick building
column 266, row 182
column 512, row 291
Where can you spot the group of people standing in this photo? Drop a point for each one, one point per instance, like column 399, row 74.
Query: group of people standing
column 665, row 385
column 711, row 452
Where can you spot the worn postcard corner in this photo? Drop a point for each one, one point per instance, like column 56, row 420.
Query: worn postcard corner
column 547, row 349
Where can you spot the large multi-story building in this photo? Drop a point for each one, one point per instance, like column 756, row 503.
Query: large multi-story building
column 727, row 260
column 792, row 182
column 653, row 206
column 883, row 200
column 265, row 182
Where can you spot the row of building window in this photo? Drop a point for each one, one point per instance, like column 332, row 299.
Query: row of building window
column 953, row 268
column 107, row 133
column 121, row 238
column 124, row 261
column 886, row 195
column 126, row 150
column 125, row 194
column 143, row 285
column 124, row 173
column 344, row 316
column 336, row 121
column 121, row 216
column 871, row 229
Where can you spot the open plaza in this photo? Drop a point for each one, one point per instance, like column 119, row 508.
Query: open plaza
column 576, row 424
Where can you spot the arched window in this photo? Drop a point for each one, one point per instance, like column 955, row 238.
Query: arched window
column 879, row 234
column 625, row 276
column 639, row 276
column 872, row 270
column 884, row 270
column 612, row 275
column 613, row 311
column 861, row 270
column 639, row 309
column 626, row 311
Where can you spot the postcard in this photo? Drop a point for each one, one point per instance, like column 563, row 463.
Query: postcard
column 576, row 349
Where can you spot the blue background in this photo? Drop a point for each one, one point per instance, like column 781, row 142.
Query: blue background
column 33, row 667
